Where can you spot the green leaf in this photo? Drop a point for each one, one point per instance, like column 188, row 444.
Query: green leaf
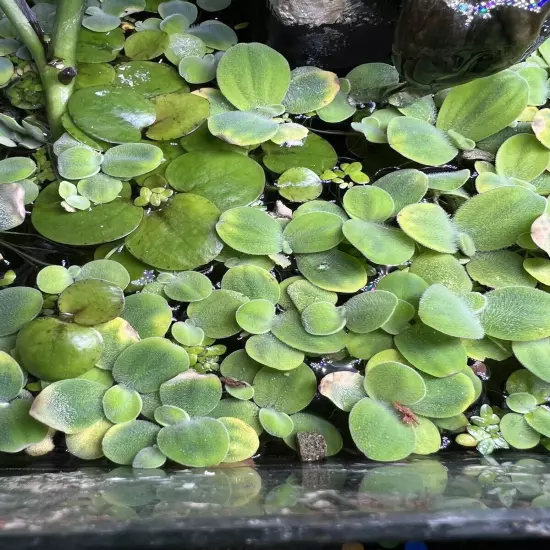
column 243, row 440
column 197, row 394
column 87, row 443
column 310, row 89
column 288, row 328
column 12, row 379
column 379, row 433
column 523, row 380
column 117, row 335
column 536, row 78
column 123, row 442
column 394, row 383
column 131, row 160
column 517, row 313
column 370, row 310
column 227, row 179
column 147, row 364
column 100, row 188
column 400, row 318
column 256, row 316
column 242, row 128
column 323, row 319
column 290, row 134
column 18, row 429
column 91, row 301
column 445, row 397
column 381, row 244
column 521, row 402
column 6, row 71
column 511, row 211
column 102, row 112
column 240, row 366
column 371, row 204
column 448, row 181
column 253, row 282
column 213, row 5
column 428, row 438
column 517, row 432
column 146, row 45
column 301, row 294
column 186, row 229
column 420, row 141
column 108, row 270
column 168, row 415
column 449, row 313
column 287, row 392
column 188, row 286
column 406, row 286
column 149, row 457
column 12, row 206
column 277, row 424
column 16, row 168
column 187, row 334
column 181, row 45
column 148, row 314
column 339, row 109
column 365, row 346
column 253, row 75
column 99, row 21
column 485, row 106
column 534, row 356
column 69, row 406
column 314, row 232
column 121, row 404
column 445, row 269
column 94, row 74
column 404, row 186
column 429, row 225
column 200, row 443
column 499, row 269
column 305, row 422
column 18, row 306
column 316, row 153
column 177, row 115
column 431, row 351
column 372, row 81
column 216, row 314
column 523, row 157
column 539, row 420
column 78, row 163
column 539, row 268
column 343, row 388
column 51, row 349
column 299, row 185
column 251, row 231
column 237, row 408
column 333, row 270
column 215, row 34
column 96, row 47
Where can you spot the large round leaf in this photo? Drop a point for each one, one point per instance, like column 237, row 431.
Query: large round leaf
column 443, row 310
column 242, row 128
column 444, row 269
column 517, row 313
column 200, row 443
column 145, row 365
column 19, row 430
column 148, row 78
column 370, row 310
column 534, row 356
column 87, row 443
column 124, row 441
column 243, row 440
column 104, row 223
column 314, row 232
column 51, row 349
column 11, row 378
column 420, row 141
column 268, row 350
column 287, row 392
column 431, row 351
column 179, row 236
column 98, row 47
column 196, row 394
column 131, row 160
column 523, row 157
column 253, row 75
column 146, row 44
column 253, row 282
column 498, row 269
column 368, row 203
column 485, row 106
column 102, row 112
column 405, row 285
column 343, row 388
column 227, row 179
column 69, row 406
column 379, row 432
column 517, row 432
column 148, row 314
column 404, row 186
column 117, row 335
column 310, row 89
column 18, row 306
column 496, row 218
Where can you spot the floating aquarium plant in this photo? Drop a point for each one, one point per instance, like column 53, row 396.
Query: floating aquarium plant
column 205, row 249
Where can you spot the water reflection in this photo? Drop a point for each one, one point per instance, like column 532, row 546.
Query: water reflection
column 71, row 500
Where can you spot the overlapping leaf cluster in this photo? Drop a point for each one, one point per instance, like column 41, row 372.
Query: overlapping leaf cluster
column 197, row 326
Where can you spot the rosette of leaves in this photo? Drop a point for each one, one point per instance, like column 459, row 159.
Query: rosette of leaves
column 484, row 432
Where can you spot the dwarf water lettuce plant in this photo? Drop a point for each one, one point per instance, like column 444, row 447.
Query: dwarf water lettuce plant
column 231, row 276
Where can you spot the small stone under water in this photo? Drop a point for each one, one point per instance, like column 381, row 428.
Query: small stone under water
column 311, row 446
